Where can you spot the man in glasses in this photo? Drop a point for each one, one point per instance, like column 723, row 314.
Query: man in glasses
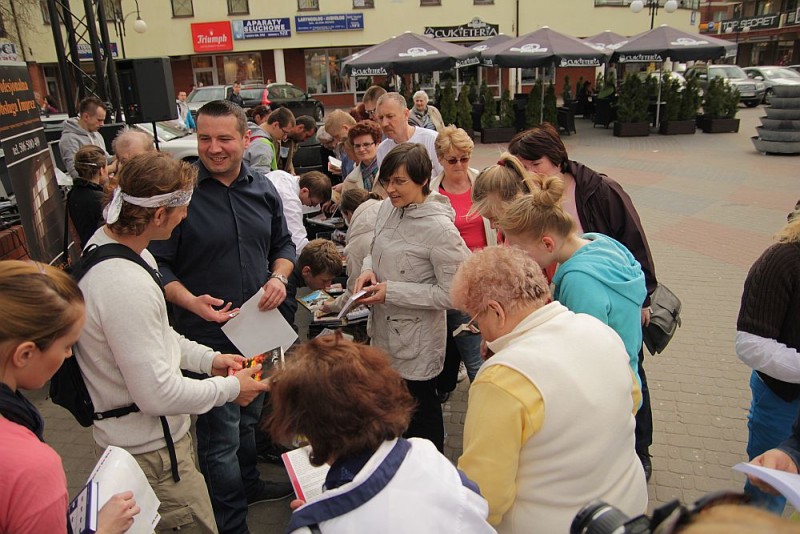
column 392, row 114
column 262, row 152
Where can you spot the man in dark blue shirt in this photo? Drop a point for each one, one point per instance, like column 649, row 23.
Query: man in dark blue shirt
column 233, row 242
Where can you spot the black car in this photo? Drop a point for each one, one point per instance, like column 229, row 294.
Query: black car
column 285, row 95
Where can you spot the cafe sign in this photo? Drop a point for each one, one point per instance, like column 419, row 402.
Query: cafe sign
column 474, row 29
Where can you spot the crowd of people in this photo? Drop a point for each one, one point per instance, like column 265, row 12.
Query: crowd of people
column 535, row 273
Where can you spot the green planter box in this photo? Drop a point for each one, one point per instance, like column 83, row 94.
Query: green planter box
column 631, row 129
column 677, row 127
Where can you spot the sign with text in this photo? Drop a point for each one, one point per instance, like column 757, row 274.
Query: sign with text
column 85, row 51
column 212, row 36
column 261, row 28
column 30, row 165
column 762, row 22
column 474, row 29
column 329, row 23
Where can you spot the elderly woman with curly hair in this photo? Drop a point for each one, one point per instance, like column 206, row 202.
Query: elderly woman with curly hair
column 365, row 137
column 353, row 408
column 549, row 423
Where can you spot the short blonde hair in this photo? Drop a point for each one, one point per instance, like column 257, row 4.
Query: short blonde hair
column 336, row 119
column 539, row 212
column 503, row 274
column 452, row 138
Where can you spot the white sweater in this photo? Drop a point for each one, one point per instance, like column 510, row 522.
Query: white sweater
column 129, row 353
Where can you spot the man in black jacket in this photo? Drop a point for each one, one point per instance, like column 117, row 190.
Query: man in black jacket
column 235, row 97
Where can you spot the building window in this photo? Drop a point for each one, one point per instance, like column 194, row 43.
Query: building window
column 430, row 2
column 324, row 71
column 359, row 4
column 483, row 2
column 308, row 5
column 238, row 7
column 182, row 8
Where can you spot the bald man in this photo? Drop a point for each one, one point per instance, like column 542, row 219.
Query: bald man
column 131, row 142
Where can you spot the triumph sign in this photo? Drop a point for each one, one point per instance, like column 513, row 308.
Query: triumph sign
column 474, row 29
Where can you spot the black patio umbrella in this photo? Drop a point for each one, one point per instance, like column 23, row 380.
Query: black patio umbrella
column 541, row 48
column 606, row 41
column 490, row 42
column 407, row 54
column 665, row 42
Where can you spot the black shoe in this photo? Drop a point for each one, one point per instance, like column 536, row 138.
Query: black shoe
column 272, row 454
column 271, row 491
column 647, row 464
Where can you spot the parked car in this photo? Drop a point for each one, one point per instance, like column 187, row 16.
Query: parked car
column 794, row 67
column 772, row 76
column 272, row 95
column 751, row 92
column 174, row 140
column 285, row 95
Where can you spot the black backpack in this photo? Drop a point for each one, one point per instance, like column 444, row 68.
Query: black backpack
column 67, row 388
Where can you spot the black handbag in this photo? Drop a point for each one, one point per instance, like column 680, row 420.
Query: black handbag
column 665, row 318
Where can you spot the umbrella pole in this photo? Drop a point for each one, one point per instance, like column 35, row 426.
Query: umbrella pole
column 658, row 101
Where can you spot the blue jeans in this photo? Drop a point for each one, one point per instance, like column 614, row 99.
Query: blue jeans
column 466, row 348
column 770, row 423
column 226, row 452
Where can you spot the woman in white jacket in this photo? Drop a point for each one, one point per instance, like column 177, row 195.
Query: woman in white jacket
column 415, row 253
column 360, row 211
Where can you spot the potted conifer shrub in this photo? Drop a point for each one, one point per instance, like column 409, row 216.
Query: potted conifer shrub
column 632, row 118
column 464, row 111
column 550, row 112
column 497, row 130
column 447, row 105
column 533, row 108
column 720, row 105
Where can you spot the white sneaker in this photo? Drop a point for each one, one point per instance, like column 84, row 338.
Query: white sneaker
column 462, row 372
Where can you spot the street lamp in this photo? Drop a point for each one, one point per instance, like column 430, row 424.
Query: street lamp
column 139, row 25
column 670, row 6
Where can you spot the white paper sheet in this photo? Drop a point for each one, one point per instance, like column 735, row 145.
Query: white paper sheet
column 254, row 332
column 786, row 483
column 117, row 471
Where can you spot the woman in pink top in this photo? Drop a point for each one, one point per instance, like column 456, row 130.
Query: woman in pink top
column 41, row 317
column 454, row 150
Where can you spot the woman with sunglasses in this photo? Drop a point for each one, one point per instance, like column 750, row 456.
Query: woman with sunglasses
column 365, row 137
column 454, row 149
column 407, row 272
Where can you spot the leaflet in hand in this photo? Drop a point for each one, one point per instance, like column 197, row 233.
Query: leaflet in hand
column 351, row 303
column 314, row 300
column 787, row 484
column 307, row 480
column 335, row 162
column 269, row 360
column 117, row 471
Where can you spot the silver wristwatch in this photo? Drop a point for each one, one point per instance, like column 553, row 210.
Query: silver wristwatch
column 281, row 278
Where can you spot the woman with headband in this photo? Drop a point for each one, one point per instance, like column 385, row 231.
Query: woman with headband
column 41, row 316
column 129, row 354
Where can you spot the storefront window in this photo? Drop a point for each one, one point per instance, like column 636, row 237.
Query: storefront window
column 324, row 70
column 240, row 67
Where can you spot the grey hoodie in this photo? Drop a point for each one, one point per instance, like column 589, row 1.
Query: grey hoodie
column 74, row 137
column 261, row 151
column 416, row 251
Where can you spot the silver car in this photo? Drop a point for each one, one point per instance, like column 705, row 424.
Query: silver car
column 772, row 76
column 174, row 140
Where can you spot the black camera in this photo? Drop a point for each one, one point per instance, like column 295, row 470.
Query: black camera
column 599, row 517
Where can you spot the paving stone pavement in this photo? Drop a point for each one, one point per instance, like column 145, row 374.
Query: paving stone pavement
column 709, row 205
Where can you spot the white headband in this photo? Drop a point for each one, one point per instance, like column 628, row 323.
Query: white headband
column 167, row 200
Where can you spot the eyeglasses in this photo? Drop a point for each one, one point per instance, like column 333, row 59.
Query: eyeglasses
column 462, row 159
column 394, row 182
column 362, row 145
column 370, row 112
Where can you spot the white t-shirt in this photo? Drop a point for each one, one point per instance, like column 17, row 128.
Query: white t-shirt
column 423, row 136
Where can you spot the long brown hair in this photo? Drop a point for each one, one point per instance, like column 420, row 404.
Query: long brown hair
column 37, row 303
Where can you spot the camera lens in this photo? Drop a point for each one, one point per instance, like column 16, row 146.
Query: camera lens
column 599, row 517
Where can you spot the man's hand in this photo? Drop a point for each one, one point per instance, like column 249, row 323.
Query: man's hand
column 249, row 388
column 378, row 295
column 224, row 363
column 206, row 307
column 646, row 316
column 274, row 294
column 773, row 459
column 116, row 516
column 367, row 278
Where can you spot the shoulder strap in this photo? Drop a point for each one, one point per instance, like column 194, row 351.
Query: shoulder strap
column 96, row 254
